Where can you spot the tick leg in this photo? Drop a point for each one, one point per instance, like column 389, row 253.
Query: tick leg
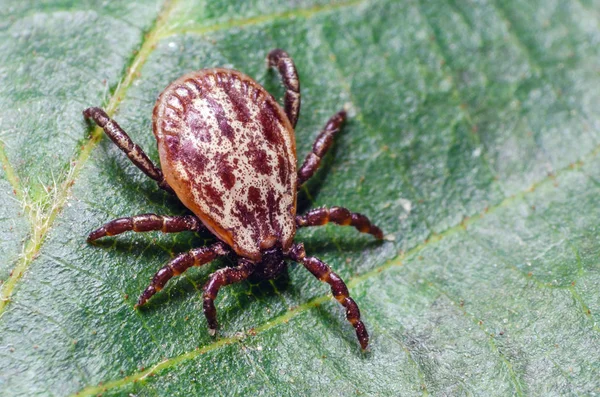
column 338, row 288
column 289, row 76
column 218, row 279
column 320, row 147
column 124, row 142
column 195, row 257
column 147, row 223
column 340, row 216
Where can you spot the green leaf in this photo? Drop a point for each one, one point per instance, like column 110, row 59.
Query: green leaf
column 473, row 141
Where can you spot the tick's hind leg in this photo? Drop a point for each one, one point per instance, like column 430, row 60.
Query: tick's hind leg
column 340, row 216
column 218, row 279
column 124, row 142
column 281, row 60
column 320, row 147
column 338, row 288
column 146, row 223
column 195, row 257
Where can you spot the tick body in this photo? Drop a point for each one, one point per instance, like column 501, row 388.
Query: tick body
column 227, row 151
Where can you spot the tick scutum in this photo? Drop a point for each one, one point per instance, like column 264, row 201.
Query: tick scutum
column 248, row 159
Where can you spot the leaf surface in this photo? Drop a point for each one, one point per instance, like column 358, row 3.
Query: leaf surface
column 473, row 141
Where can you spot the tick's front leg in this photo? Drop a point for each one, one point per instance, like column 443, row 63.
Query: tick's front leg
column 124, row 142
column 338, row 288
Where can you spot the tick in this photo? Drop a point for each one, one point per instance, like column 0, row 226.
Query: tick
column 227, row 151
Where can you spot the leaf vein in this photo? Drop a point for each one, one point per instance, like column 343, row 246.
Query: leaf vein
column 492, row 344
column 306, row 13
column 44, row 216
column 10, row 173
column 414, row 363
column 282, row 319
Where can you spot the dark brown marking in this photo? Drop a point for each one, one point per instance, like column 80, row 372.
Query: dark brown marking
column 197, row 124
column 196, row 159
column 172, row 142
column 248, row 219
column 282, row 169
column 227, row 177
column 254, row 195
column 225, row 171
column 245, row 87
column 238, row 101
column 221, row 116
column 213, row 195
column 274, row 205
column 269, row 121
column 258, row 159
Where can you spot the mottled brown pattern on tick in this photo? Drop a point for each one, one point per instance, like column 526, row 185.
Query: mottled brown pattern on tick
column 227, row 117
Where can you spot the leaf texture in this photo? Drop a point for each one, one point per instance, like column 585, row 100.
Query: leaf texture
column 473, row 141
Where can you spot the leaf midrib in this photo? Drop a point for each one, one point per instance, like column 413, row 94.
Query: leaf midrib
column 42, row 221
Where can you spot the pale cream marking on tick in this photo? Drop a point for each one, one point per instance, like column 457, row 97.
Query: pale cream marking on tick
column 182, row 92
column 175, row 102
column 171, row 114
column 194, row 88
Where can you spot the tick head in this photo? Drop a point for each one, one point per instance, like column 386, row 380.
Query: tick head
column 272, row 262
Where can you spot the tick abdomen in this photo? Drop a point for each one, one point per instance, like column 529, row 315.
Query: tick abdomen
column 228, row 151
